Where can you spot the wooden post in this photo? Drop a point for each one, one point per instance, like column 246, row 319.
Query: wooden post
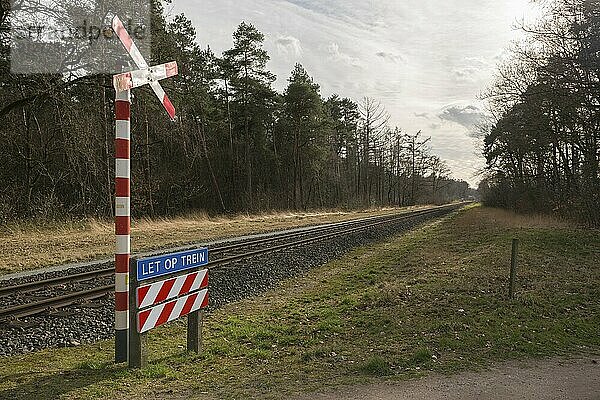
column 513, row 268
column 194, row 332
column 137, row 341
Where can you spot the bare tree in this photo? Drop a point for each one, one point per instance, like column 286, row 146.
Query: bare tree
column 374, row 121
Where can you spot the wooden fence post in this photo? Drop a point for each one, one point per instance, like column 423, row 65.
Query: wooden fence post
column 194, row 332
column 513, row 268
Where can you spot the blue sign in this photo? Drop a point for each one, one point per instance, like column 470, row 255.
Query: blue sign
column 153, row 267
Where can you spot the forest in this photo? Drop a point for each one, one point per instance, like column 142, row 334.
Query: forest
column 543, row 145
column 237, row 145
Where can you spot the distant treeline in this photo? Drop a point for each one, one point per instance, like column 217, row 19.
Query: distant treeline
column 544, row 145
column 237, row 145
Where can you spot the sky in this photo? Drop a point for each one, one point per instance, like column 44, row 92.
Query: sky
column 427, row 61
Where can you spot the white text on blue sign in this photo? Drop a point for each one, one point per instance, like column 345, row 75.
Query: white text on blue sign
column 153, row 267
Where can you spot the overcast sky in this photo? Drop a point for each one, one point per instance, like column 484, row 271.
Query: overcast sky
column 425, row 60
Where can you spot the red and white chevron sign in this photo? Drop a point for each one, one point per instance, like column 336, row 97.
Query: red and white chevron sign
column 167, row 312
column 170, row 289
column 145, row 74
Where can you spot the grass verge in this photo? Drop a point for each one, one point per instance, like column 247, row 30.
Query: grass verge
column 27, row 247
column 431, row 300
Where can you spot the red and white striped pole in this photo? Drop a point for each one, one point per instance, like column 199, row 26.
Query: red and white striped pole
column 122, row 222
column 123, row 84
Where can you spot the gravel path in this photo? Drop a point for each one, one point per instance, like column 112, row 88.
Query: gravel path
column 551, row 379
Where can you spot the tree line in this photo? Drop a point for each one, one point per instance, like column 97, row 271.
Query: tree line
column 543, row 146
column 238, row 144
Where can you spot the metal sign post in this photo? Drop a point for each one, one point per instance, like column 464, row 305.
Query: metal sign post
column 123, row 84
column 138, row 357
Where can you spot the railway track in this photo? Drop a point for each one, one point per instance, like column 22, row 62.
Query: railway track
column 221, row 256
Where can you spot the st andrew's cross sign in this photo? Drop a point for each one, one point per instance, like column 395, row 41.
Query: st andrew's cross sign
column 123, row 83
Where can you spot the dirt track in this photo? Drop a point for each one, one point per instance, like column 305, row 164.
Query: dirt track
column 577, row 378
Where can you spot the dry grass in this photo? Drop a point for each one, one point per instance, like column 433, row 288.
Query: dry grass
column 27, row 247
column 506, row 219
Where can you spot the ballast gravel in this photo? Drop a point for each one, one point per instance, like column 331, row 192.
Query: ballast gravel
column 80, row 325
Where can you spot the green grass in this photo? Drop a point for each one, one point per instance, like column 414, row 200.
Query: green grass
column 376, row 366
column 431, row 300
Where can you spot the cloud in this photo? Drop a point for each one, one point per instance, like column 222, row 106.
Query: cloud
column 422, row 115
column 364, row 14
column 466, row 73
column 469, row 116
column 333, row 49
column 289, row 46
column 472, row 69
column 391, row 57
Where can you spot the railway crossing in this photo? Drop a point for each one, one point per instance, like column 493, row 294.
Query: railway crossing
column 124, row 83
